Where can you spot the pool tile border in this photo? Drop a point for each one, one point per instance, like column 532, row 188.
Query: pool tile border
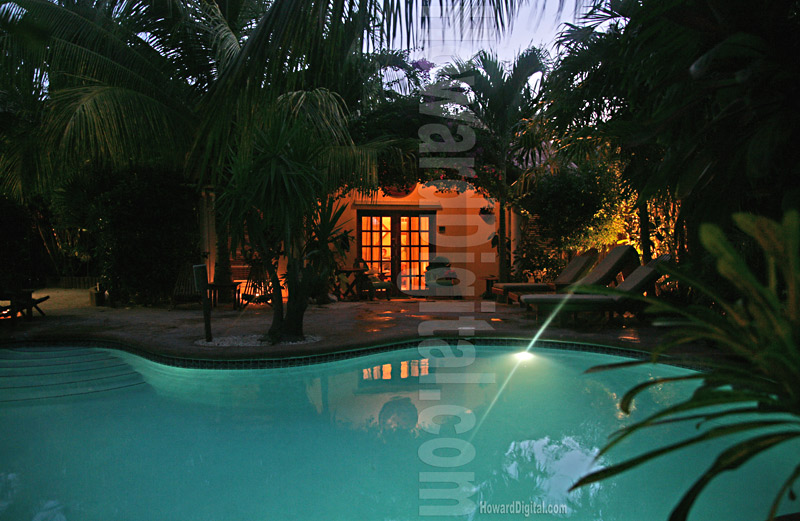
column 309, row 360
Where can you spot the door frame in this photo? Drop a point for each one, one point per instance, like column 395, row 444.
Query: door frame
column 395, row 215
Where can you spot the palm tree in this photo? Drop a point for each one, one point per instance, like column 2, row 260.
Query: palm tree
column 501, row 99
column 701, row 101
column 181, row 83
column 698, row 99
column 300, row 152
column 109, row 98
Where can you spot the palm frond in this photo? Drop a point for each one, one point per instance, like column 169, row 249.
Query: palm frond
column 731, row 459
column 115, row 125
column 754, row 367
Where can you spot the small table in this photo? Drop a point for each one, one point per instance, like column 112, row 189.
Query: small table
column 490, row 280
column 352, row 286
column 215, row 287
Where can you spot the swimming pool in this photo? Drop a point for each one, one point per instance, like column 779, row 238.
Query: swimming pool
column 97, row 434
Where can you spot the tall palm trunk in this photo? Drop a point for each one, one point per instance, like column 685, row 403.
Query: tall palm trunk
column 287, row 323
column 297, row 303
column 502, row 250
column 222, row 265
column 644, row 232
column 276, row 329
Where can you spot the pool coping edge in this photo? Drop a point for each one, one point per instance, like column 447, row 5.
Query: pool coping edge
column 345, row 354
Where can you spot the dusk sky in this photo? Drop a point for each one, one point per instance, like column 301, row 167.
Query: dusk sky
column 530, row 26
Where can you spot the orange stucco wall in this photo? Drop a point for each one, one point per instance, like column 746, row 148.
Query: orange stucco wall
column 460, row 233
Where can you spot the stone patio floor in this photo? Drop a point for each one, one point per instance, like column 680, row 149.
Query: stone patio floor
column 340, row 326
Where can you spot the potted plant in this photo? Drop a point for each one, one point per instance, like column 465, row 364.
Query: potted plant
column 487, row 214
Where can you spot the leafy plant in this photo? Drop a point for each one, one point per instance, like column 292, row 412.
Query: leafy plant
column 17, row 246
column 535, row 259
column 302, row 154
column 146, row 231
column 752, row 381
column 696, row 95
column 501, row 97
column 328, row 241
column 393, row 126
column 577, row 207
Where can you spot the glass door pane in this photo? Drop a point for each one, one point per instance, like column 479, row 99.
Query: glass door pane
column 376, row 240
column 398, row 246
column 414, row 251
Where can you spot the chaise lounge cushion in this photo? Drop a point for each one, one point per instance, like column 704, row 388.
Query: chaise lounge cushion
column 577, row 267
column 635, row 284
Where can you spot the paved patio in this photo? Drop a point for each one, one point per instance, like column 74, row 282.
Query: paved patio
column 339, row 326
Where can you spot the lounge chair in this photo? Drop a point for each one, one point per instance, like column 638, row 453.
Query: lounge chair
column 371, row 281
column 257, row 287
column 184, row 290
column 639, row 281
column 622, row 259
column 28, row 305
column 574, row 270
column 21, row 302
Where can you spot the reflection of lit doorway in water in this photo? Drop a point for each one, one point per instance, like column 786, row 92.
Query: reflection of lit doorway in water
column 397, row 244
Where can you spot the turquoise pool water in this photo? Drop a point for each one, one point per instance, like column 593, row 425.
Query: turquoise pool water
column 94, row 434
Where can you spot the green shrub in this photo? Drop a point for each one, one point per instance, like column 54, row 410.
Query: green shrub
column 146, row 230
column 576, row 207
column 19, row 252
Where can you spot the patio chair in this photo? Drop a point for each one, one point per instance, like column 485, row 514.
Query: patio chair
column 184, row 291
column 27, row 304
column 623, row 259
column 371, row 281
column 574, row 270
column 256, row 289
column 21, row 302
column 639, row 281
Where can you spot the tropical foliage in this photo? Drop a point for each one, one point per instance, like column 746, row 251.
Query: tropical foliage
column 501, row 99
column 697, row 97
column 570, row 209
column 395, row 124
column 301, row 152
column 327, row 246
column 750, row 383
column 576, row 208
column 145, row 232
column 175, row 86
column 19, row 248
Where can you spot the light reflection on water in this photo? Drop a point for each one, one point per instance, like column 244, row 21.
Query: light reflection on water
column 337, row 441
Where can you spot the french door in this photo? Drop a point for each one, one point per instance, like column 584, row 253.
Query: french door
column 397, row 244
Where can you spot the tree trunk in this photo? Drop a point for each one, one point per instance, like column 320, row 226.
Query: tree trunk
column 54, row 252
column 297, row 303
column 502, row 252
column 222, row 267
column 276, row 329
column 293, row 328
column 288, row 327
column 644, row 233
